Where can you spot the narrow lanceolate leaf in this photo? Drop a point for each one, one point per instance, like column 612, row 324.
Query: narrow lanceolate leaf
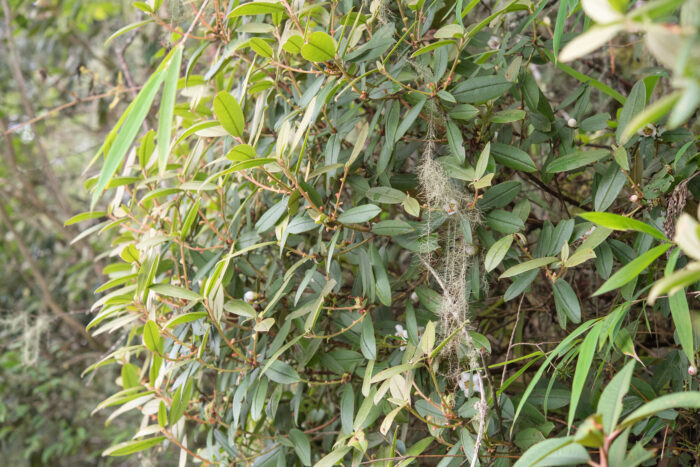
column 632, row 269
column 576, row 160
column 228, row 112
column 633, row 106
column 256, row 8
column 174, row 291
column 134, row 117
column 651, row 114
column 130, row 447
column 563, row 347
column 527, row 266
column 610, row 402
column 680, row 312
column 687, row 400
column 497, row 252
column 617, row 222
column 367, row 341
column 151, row 337
column 565, row 300
column 167, row 106
column 583, row 364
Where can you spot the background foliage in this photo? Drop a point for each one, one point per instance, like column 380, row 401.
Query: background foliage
column 404, row 232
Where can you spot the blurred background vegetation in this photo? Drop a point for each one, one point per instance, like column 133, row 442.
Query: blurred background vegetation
column 61, row 90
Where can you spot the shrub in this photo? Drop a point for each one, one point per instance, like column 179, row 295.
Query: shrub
column 385, row 232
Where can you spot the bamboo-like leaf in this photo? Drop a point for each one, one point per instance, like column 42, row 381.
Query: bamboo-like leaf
column 135, row 115
column 167, row 106
column 632, row 269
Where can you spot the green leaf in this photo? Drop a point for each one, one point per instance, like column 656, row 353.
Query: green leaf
column 681, row 313
column 240, row 308
column 167, row 107
column 617, row 222
column 554, row 451
column 528, row 265
column 409, row 118
column 686, row 400
column 504, row 222
column 563, row 347
column 583, row 364
column 186, row 318
column 631, row 270
column 130, row 447
column 332, row 458
column 500, row 195
column 427, row 340
column 650, row 114
column 125, row 29
column 507, row 116
column 302, row 446
column 261, row 47
column 282, row 373
column 497, row 252
column 134, row 116
column 384, row 194
column 609, row 187
column 229, row 114
column 633, row 106
column 319, row 47
column 433, row 46
column 464, row 112
column 174, row 291
column 151, row 337
column 359, row 144
column 394, row 370
column 359, row 214
column 610, row 402
column 392, row 227
column 481, row 89
column 455, row 141
column 482, row 162
column 575, row 160
column 256, row 8
column 513, row 157
column 367, row 342
column 84, row 216
column 565, row 300
column 347, row 408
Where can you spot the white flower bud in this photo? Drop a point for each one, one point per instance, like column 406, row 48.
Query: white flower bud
column 546, row 21
column 634, row 198
column 571, row 123
column 692, row 370
column 414, row 297
column 249, row 296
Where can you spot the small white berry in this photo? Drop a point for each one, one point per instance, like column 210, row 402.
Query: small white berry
column 572, row 123
column 634, row 198
column 692, row 370
column 249, row 296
